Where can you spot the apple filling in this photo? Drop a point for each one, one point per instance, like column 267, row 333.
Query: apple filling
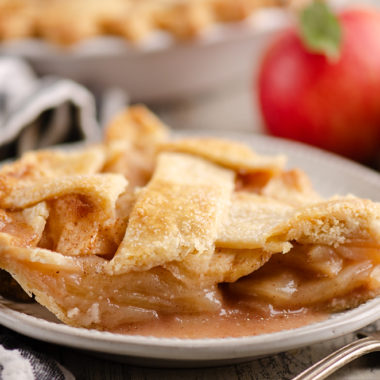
column 316, row 277
column 81, row 294
column 306, row 282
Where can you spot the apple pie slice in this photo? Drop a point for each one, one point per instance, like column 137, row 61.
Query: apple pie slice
column 147, row 234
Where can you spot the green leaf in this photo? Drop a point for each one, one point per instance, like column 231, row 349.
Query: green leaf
column 320, row 30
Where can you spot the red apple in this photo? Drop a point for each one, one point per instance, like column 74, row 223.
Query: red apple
column 334, row 105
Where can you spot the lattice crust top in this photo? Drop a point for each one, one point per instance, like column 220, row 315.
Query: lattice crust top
column 143, row 224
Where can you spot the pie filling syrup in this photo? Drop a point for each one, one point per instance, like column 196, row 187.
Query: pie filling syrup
column 217, row 241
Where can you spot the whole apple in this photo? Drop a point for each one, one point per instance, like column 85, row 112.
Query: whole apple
column 332, row 104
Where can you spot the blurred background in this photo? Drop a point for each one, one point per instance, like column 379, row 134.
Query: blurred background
column 196, row 66
column 289, row 68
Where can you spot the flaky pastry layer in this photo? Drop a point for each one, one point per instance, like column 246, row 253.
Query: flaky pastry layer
column 142, row 226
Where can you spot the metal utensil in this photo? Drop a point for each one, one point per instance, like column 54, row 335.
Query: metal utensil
column 339, row 358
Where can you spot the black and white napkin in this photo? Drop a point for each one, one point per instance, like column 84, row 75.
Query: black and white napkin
column 20, row 360
column 40, row 112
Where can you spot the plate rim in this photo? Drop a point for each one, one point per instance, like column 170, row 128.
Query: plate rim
column 205, row 349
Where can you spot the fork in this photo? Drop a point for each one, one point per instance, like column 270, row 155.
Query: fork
column 339, row 358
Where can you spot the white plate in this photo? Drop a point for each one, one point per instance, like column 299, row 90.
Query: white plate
column 330, row 174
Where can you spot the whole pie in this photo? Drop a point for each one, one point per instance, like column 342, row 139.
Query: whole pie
column 143, row 232
column 68, row 21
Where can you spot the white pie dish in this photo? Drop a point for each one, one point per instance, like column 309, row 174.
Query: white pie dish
column 330, row 174
column 159, row 68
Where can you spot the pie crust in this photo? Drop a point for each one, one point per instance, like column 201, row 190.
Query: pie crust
column 143, row 227
column 54, row 20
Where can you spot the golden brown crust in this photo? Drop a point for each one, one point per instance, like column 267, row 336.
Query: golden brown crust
column 17, row 19
column 250, row 219
column 202, row 221
column 49, row 164
column 102, row 189
column 137, row 126
column 131, row 19
column 229, row 154
column 175, row 215
column 292, row 187
column 333, row 223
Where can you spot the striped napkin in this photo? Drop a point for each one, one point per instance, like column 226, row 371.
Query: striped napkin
column 39, row 112
column 21, row 358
